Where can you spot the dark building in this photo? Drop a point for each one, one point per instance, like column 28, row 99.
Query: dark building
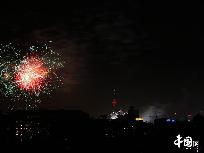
column 133, row 113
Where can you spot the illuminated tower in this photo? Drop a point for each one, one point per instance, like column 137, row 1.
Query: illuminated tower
column 114, row 100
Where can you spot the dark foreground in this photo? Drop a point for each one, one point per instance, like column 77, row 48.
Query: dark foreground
column 75, row 131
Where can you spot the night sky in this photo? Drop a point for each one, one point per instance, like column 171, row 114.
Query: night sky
column 149, row 52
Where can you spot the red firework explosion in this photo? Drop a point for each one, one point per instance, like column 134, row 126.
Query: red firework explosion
column 31, row 74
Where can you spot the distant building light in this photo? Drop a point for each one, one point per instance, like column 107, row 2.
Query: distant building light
column 170, row 120
column 139, row 119
column 113, row 115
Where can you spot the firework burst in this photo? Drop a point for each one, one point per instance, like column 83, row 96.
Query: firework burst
column 28, row 73
column 31, row 74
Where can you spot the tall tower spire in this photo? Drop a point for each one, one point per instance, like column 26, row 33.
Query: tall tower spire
column 114, row 100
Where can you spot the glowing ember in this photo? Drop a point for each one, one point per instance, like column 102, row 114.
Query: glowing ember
column 31, row 74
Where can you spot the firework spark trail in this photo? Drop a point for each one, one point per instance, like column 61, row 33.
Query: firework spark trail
column 28, row 73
